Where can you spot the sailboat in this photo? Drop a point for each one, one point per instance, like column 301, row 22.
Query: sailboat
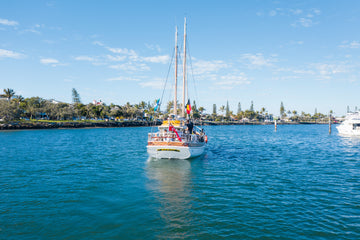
column 176, row 137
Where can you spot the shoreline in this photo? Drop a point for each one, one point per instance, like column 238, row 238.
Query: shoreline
column 21, row 125
column 29, row 125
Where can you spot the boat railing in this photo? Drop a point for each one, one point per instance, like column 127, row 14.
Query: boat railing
column 172, row 137
column 162, row 137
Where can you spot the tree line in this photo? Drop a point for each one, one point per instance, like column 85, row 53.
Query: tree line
column 14, row 107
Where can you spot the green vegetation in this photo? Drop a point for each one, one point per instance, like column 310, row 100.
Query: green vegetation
column 15, row 107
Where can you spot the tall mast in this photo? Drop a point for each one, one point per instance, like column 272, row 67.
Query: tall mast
column 176, row 64
column 184, row 72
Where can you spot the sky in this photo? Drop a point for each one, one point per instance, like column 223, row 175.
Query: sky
column 305, row 54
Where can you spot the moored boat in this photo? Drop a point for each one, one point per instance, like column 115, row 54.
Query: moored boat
column 351, row 125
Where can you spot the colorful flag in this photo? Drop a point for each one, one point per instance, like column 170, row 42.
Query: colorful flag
column 172, row 129
column 157, row 105
column 188, row 107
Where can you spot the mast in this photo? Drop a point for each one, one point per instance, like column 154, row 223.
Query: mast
column 184, row 72
column 176, row 64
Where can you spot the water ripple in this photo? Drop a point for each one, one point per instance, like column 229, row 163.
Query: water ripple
column 252, row 183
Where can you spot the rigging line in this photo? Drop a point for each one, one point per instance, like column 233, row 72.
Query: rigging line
column 172, row 88
column 167, row 77
column 193, row 78
column 180, row 60
column 187, row 78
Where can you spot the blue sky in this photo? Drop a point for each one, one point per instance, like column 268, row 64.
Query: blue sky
column 305, row 54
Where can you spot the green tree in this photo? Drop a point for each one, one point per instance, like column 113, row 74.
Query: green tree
column 222, row 109
column 214, row 110
column 227, row 110
column 34, row 106
column 18, row 99
column 195, row 111
column 239, row 108
column 142, row 105
column 263, row 110
column 193, row 107
column 252, row 107
column 249, row 114
column 9, row 111
column 8, row 93
column 282, row 109
column 75, row 96
column 201, row 110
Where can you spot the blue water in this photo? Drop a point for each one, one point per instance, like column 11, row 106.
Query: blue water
column 252, row 183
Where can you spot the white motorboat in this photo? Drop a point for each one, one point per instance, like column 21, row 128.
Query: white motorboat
column 351, row 125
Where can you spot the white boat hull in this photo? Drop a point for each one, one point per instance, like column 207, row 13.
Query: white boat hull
column 344, row 130
column 175, row 152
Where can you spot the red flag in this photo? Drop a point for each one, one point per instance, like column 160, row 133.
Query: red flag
column 188, row 107
column 172, row 129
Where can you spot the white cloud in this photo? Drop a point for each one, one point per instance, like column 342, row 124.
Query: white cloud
column 305, row 18
column 296, row 11
column 298, row 42
column 116, row 58
column 305, row 22
column 133, row 60
column 30, row 30
column 131, row 67
column 202, row 67
column 230, row 81
column 85, row 58
column 132, row 55
column 272, row 13
column 155, row 84
column 98, row 43
column 123, row 79
column 323, row 71
column 10, row 54
column 51, row 61
column 353, row 44
column 48, row 61
column 257, row 60
column 302, row 71
column 326, row 70
column 316, row 11
column 157, row 59
column 153, row 47
column 8, row 22
column 33, row 29
column 124, row 51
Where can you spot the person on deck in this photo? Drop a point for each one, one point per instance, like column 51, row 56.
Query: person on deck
column 190, row 126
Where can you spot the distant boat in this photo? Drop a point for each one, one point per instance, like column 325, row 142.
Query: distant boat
column 177, row 138
column 351, row 125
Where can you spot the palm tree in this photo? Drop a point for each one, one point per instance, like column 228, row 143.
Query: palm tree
column 18, row 99
column 8, row 93
column 263, row 110
column 222, row 108
column 201, row 110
